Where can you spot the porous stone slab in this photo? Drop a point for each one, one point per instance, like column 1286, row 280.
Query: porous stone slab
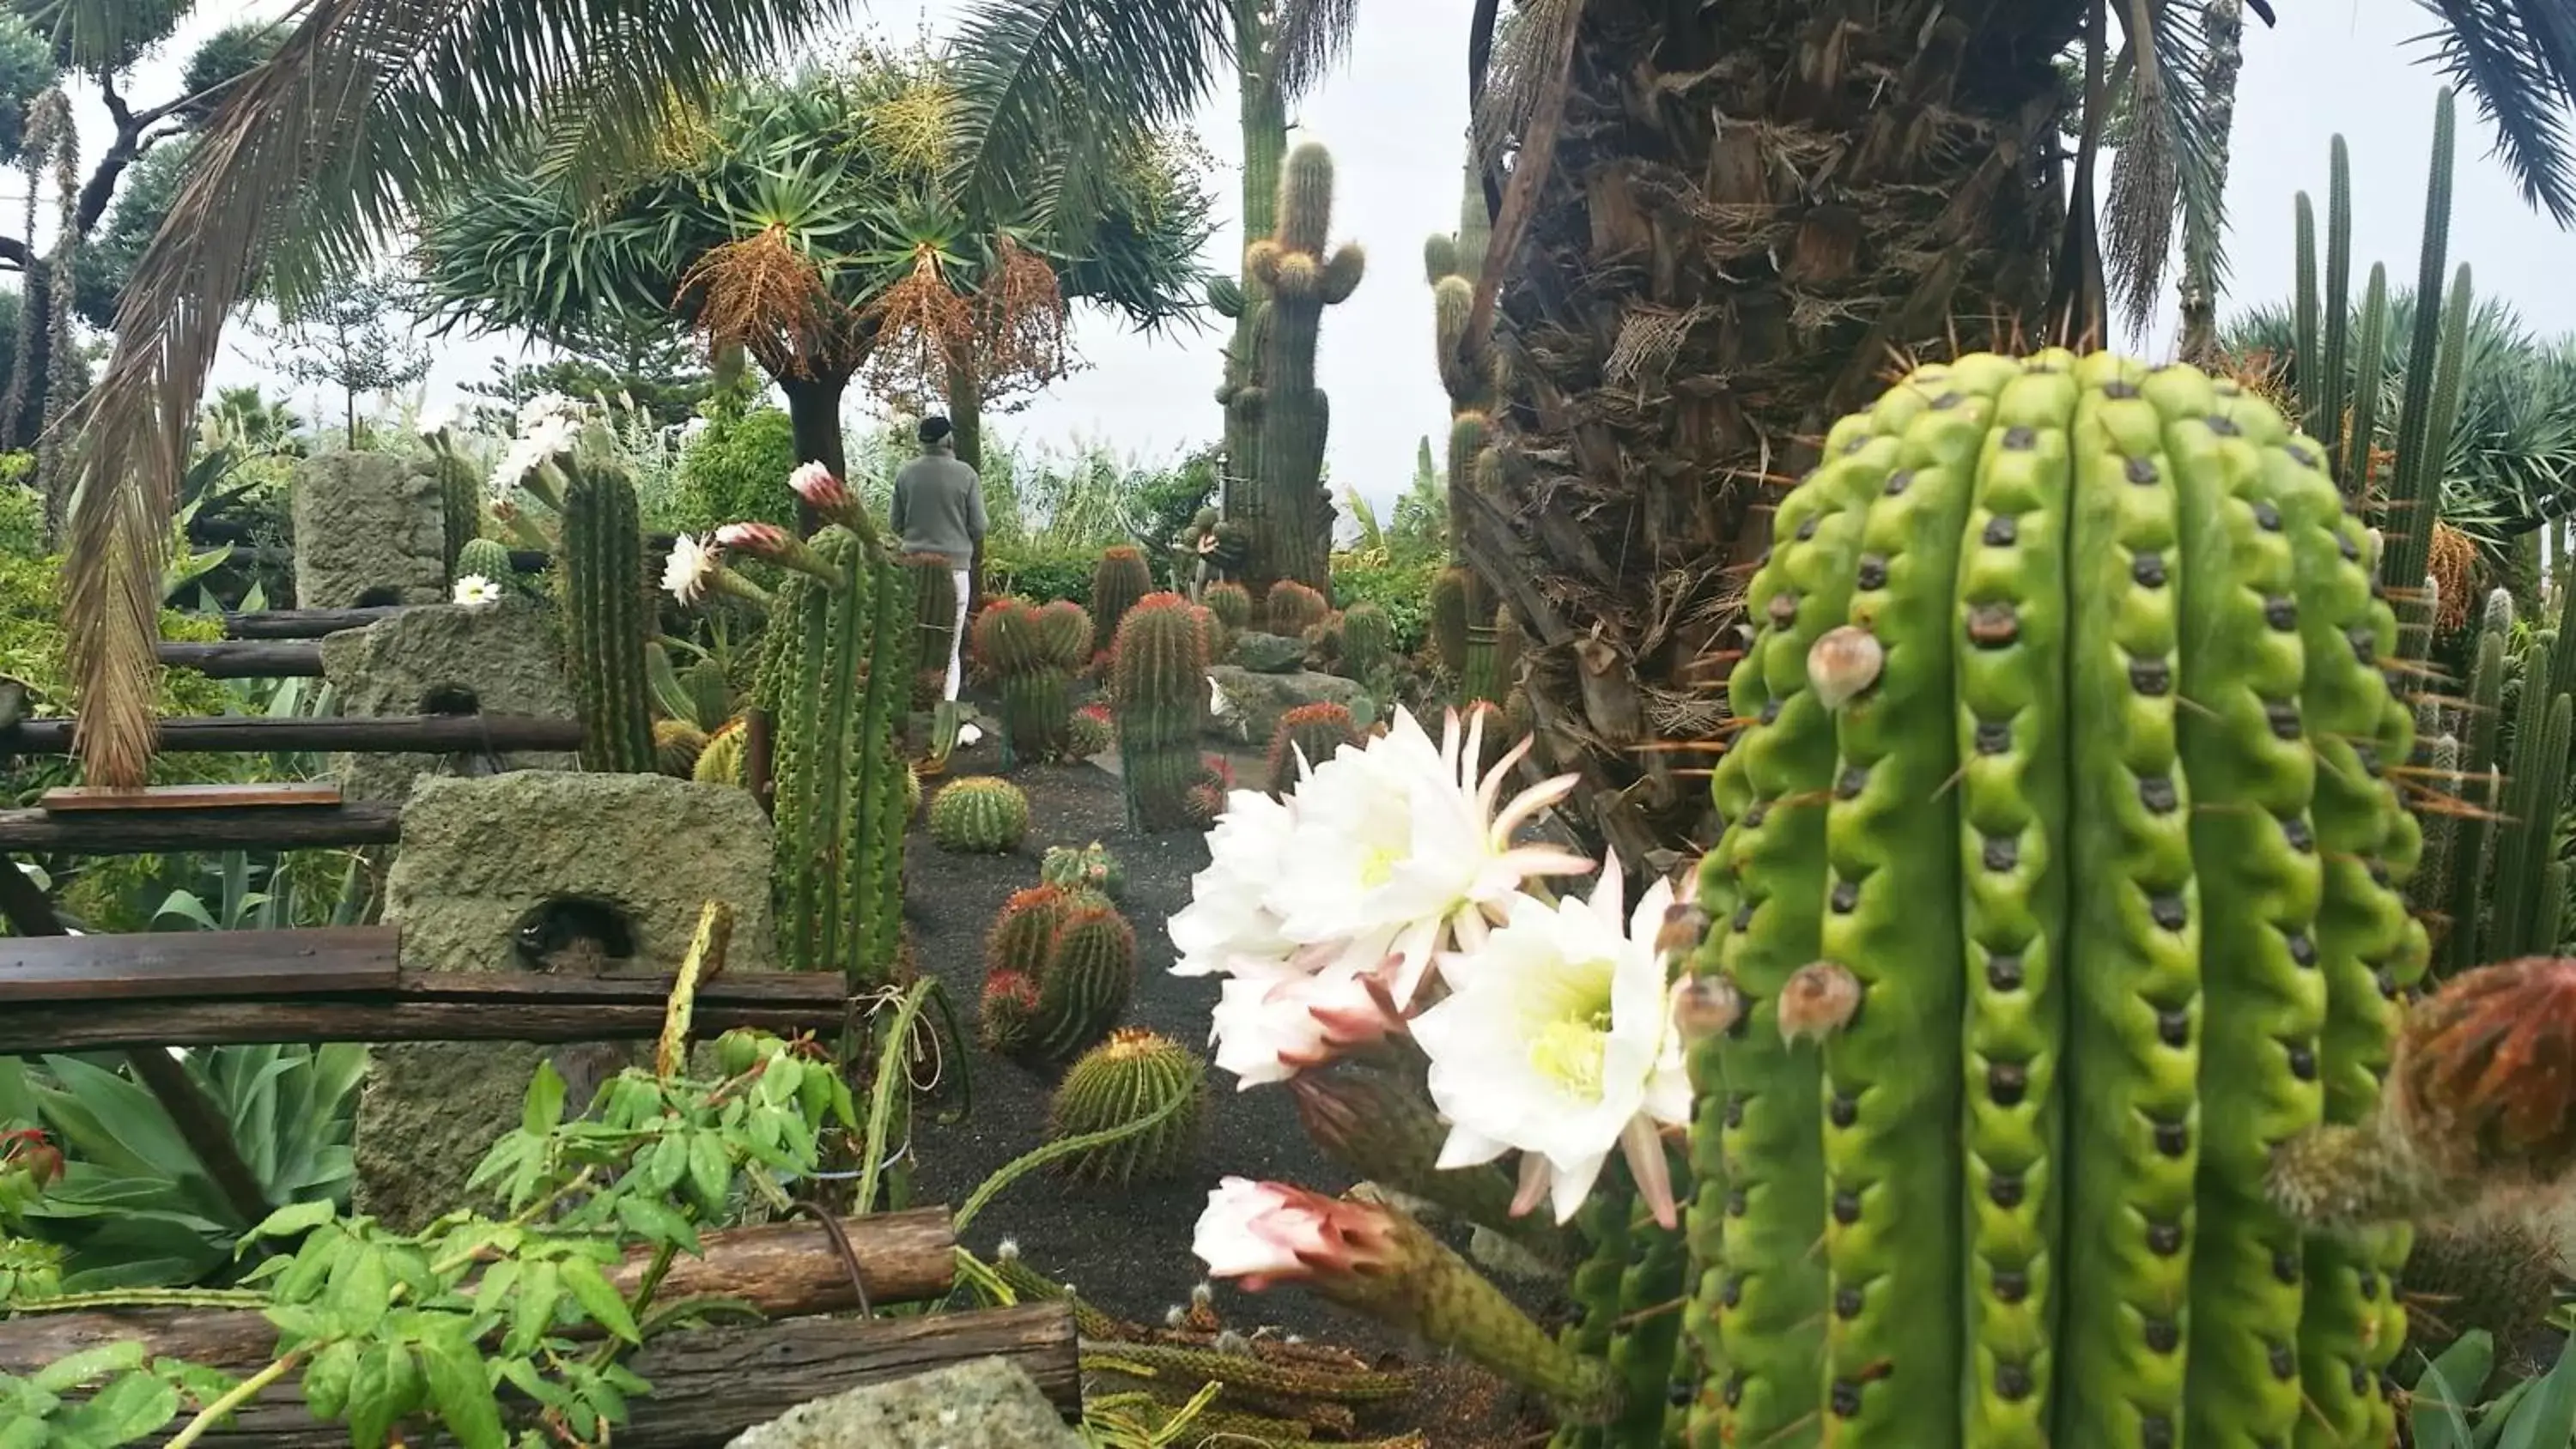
column 480, row 858
column 501, row 658
column 369, row 529
column 986, row 1404
column 1269, row 653
column 1254, row 702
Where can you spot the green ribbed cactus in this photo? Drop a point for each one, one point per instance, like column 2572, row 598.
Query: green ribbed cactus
column 1085, row 868
column 837, row 663
column 979, row 815
column 2491, row 876
column 486, row 558
column 1091, row 732
column 1232, row 605
column 1294, row 537
column 607, row 617
column 1293, row 608
column 1014, row 643
column 677, row 744
column 2497, row 1272
column 1470, row 369
column 1449, row 590
column 2058, row 886
column 1090, row 974
column 1368, row 641
column 1118, row 580
column 1130, row 1077
column 720, row 763
column 1311, row 733
column 1158, row 691
column 460, row 498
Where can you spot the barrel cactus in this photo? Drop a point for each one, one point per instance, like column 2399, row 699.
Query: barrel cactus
column 720, row 762
column 2058, row 894
column 460, row 503
column 1293, row 608
column 1131, row 1076
column 1059, row 968
column 1307, row 736
column 677, row 744
column 1368, row 641
column 1118, row 580
column 1159, row 690
column 1232, row 605
column 1090, row 733
column 1015, row 644
column 484, row 558
column 980, row 815
column 1088, row 868
column 1064, row 631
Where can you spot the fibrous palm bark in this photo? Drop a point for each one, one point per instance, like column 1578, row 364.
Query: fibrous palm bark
column 1745, row 212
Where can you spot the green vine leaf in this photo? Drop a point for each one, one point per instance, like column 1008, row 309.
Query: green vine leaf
column 603, row 1303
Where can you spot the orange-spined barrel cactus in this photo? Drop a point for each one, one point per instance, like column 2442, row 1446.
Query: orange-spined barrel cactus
column 2061, row 801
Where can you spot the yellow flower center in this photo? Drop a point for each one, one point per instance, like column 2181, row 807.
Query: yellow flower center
column 1570, row 1050
column 1377, row 865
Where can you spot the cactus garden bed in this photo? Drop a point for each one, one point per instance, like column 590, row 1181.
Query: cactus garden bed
column 1128, row 1249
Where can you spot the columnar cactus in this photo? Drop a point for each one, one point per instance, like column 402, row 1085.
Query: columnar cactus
column 979, row 815
column 1307, row 736
column 1470, row 369
column 1131, row 1076
column 934, row 607
column 1158, row 688
column 1059, row 968
column 837, row 663
column 1449, row 590
column 605, row 616
column 1295, row 537
column 1293, row 608
column 1010, row 645
column 460, row 497
column 2059, row 891
column 1118, row 580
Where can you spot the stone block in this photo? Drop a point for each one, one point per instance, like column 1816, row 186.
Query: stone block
column 369, row 529
column 1269, row 653
column 552, row 871
column 501, row 658
column 987, row 1404
column 1254, row 702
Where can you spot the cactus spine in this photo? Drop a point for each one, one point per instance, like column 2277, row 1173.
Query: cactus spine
column 979, row 815
column 1294, row 538
column 1127, row 1078
column 1293, row 608
column 1033, row 654
column 1118, row 580
column 605, row 608
column 1158, row 688
column 2051, row 555
column 837, row 664
column 1368, row 642
column 1307, row 736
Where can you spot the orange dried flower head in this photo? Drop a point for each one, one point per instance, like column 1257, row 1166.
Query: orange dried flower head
column 2485, row 1076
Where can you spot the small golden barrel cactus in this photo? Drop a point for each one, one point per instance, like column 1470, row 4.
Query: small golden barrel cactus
column 1130, row 1077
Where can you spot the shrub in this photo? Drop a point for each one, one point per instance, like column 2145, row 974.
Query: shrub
column 736, row 471
column 1402, row 590
column 1039, row 575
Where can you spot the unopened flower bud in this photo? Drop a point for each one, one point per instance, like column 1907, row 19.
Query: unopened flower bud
column 1706, row 1006
column 1842, row 663
column 1820, row 999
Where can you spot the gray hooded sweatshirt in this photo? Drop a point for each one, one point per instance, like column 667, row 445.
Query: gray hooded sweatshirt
column 939, row 506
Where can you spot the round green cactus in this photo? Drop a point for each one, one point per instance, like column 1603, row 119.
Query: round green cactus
column 1368, row 641
column 486, row 558
column 1312, row 733
column 1032, row 652
column 1089, row 868
column 1090, row 974
column 2058, row 890
column 677, row 744
column 1293, row 608
column 1091, row 732
column 1232, row 605
column 979, row 815
column 1064, row 632
column 720, row 763
column 1129, row 1077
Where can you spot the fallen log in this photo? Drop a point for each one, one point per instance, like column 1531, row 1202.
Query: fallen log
column 420, row 734
column 711, row 1384
column 153, row 832
column 786, row 1270
column 245, row 658
column 304, row 623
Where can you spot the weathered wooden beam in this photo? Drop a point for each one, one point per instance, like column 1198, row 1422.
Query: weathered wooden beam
column 183, row 965
column 427, row 1006
column 417, row 734
column 151, row 832
column 260, row 795
column 303, row 623
column 245, row 658
column 524, row 560
column 711, row 1384
column 785, row 1270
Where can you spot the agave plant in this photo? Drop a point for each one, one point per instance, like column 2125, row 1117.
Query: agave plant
column 134, row 1206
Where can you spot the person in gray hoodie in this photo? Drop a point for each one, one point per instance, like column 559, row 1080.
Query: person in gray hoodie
column 939, row 508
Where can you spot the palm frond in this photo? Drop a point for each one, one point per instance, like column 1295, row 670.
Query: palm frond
column 368, row 109
column 2174, row 163
column 2518, row 57
column 1309, row 38
column 1077, row 82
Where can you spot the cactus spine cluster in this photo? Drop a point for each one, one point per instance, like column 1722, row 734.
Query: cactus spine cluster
column 1311, row 734
column 1118, row 580
column 1129, row 1077
column 837, row 662
column 2065, row 743
column 1059, row 969
column 979, row 815
column 606, row 608
column 1034, row 655
column 1159, row 691
column 720, row 763
column 1368, row 642
column 1293, row 535
column 1088, row 868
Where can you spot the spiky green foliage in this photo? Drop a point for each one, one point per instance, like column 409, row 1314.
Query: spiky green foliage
column 606, row 615
column 1292, row 534
column 837, row 662
column 1084, row 868
column 1059, row 968
column 1127, row 1078
column 1293, row 608
column 934, row 586
column 2063, row 771
column 1307, row 736
column 484, row 557
column 1232, row 605
column 1118, row 580
column 979, row 815
column 460, row 498
column 1014, row 644
column 720, row 763
column 1158, row 691
column 2494, row 1272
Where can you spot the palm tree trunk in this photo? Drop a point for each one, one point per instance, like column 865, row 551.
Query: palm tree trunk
column 1748, row 211
column 814, row 422
column 966, row 408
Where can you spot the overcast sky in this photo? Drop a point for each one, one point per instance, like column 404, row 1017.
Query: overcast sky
column 1394, row 118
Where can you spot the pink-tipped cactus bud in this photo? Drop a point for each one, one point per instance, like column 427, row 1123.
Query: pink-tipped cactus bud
column 830, row 498
column 778, row 546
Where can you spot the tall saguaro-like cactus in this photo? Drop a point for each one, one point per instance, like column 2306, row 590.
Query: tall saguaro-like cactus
column 605, row 608
column 1293, row 538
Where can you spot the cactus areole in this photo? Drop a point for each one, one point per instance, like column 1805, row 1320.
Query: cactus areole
column 2065, row 755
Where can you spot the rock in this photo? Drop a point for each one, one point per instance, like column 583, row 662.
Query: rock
column 498, row 659
column 1256, row 701
column 1269, row 653
column 585, row 860
column 987, row 1404
column 369, row 529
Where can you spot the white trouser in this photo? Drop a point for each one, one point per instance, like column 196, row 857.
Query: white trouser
column 957, row 632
